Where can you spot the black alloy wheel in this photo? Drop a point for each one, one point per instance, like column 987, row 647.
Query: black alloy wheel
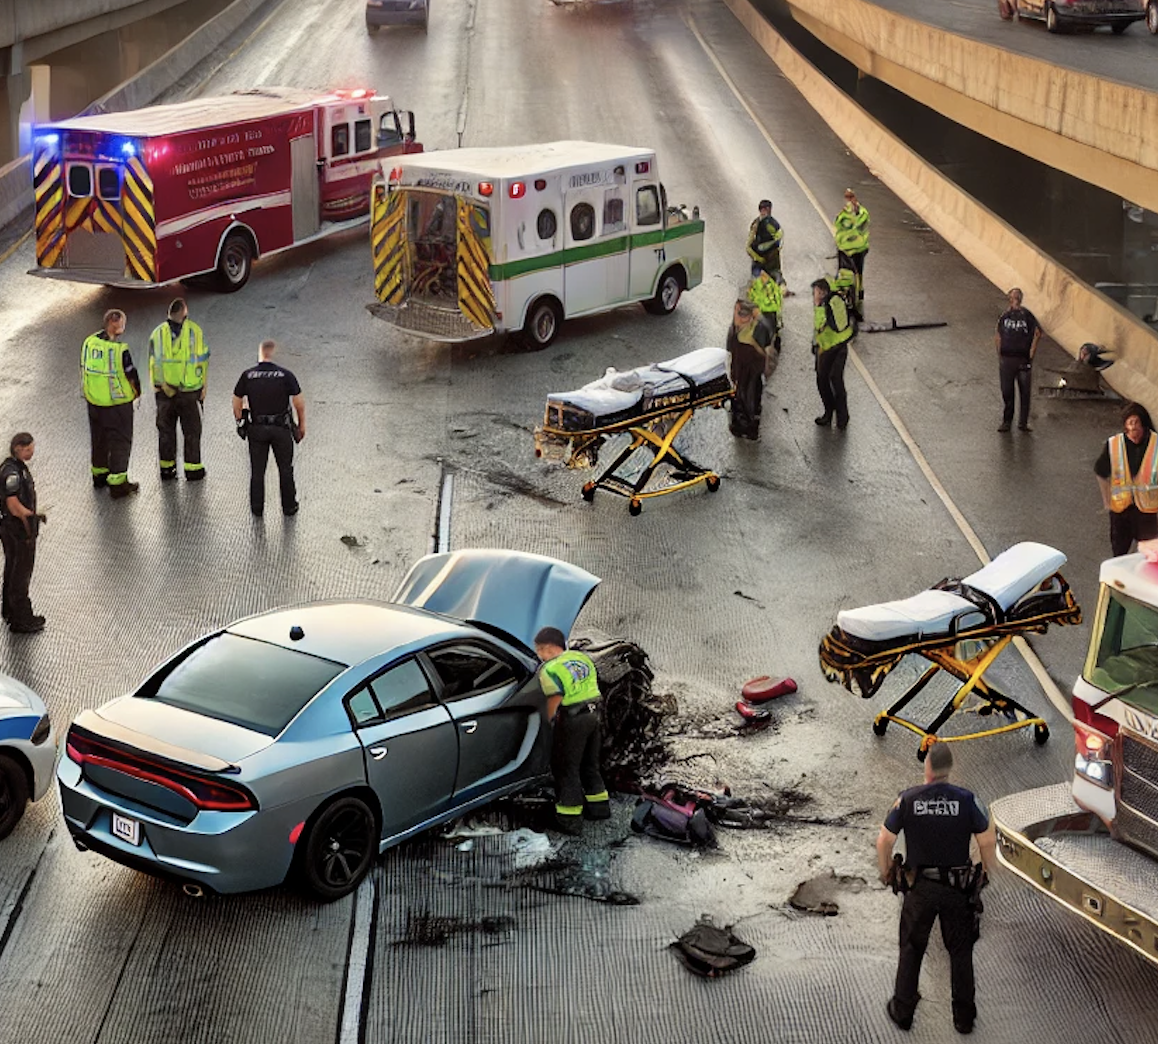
column 13, row 794
column 340, row 848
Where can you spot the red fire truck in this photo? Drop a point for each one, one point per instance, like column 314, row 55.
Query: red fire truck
column 203, row 188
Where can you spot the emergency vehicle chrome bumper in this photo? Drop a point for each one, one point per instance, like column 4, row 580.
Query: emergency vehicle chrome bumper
column 1043, row 837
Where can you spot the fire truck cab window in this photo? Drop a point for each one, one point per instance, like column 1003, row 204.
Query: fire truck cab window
column 79, row 180
column 362, row 140
column 340, row 139
column 388, row 132
column 108, row 183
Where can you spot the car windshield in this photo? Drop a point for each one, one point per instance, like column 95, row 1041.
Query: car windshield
column 249, row 683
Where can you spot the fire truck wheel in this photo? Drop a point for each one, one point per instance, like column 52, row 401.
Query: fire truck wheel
column 667, row 294
column 542, row 325
column 235, row 265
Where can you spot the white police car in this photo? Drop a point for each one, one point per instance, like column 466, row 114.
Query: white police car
column 27, row 750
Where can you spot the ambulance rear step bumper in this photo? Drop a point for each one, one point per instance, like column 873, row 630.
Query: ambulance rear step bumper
column 1068, row 854
column 101, row 277
column 435, row 324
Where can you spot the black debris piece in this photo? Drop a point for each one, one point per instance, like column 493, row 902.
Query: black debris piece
column 818, row 894
column 710, row 952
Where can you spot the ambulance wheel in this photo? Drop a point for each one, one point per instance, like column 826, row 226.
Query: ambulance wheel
column 542, row 325
column 635, row 506
column 235, row 264
column 667, row 294
column 1040, row 734
column 588, row 492
column 713, row 483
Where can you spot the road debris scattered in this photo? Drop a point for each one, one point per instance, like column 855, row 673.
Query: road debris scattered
column 710, row 952
column 818, row 894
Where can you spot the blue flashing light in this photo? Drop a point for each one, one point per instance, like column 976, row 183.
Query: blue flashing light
column 128, row 148
column 47, row 140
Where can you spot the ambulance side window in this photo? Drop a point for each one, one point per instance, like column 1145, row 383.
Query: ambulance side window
column 108, row 183
column 546, row 224
column 361, row 135
column 613, row 211
column 647, row 210
column 79, row 180
column 340, row 139
column 582, row 221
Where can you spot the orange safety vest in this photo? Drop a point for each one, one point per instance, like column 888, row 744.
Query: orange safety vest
column 1126, row 489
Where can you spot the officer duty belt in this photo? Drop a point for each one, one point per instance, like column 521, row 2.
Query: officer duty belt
column 953, row 876
column 575, row 709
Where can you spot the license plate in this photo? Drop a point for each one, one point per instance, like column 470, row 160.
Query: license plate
column 126, row 829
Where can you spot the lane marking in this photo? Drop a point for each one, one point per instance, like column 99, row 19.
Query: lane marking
column 1032, row 661
column 14, row 247
column 359, row 964
column 444, row 498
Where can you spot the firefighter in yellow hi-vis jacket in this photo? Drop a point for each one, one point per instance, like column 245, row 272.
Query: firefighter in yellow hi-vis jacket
column 178, row 367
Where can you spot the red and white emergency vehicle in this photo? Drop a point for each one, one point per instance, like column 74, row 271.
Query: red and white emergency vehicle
column 205, row 187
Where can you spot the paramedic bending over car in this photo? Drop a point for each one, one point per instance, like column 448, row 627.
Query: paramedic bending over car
column 1127, row 473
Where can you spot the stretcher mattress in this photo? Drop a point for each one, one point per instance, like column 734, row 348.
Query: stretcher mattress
column 984, row 598
column 618, row 397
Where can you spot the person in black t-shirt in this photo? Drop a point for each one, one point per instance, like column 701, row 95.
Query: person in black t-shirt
column 1131, row 495
column 1016, row 340
column 938, row 820
column 261, row 407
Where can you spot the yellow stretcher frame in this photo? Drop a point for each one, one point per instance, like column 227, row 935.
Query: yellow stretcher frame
column 836, row 661
column 645, row 436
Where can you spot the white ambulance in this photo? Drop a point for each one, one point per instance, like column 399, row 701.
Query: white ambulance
column 470, row 242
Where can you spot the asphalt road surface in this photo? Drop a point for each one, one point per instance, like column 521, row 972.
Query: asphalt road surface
column 1131, row 58
column 449, row 945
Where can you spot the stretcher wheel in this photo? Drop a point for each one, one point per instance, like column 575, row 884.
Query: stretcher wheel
column 880, row 725
column 713, row 483
column 635, row 507
column 1040, row 734
column 588, row 491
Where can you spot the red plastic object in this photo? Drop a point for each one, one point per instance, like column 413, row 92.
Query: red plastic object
column 752, row 714
column 762, row 689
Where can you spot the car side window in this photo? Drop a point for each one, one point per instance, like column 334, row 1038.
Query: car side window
column 402, row 689
column 363, row 708
column 465, row 670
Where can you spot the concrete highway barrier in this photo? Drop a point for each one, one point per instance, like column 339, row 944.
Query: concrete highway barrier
column 1095, row 129
column 1071, row 311
column 146, row 86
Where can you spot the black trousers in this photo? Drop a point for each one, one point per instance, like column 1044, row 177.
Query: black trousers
column 830, row 381
column 747, row 402
column 19, row 558
column 1130, row 525
column 111, row 430
column 263, row 438
column 925, row 902
column 1016, row 373
column 183, row 408
column 575, row 756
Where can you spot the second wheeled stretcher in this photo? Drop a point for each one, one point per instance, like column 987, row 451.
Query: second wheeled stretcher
column 1019, row 592
column 652, row 403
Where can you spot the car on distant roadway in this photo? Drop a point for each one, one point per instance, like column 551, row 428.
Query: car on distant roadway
column 27, row 751
column 1062, row 15
column 397, row 12
column 309, row 739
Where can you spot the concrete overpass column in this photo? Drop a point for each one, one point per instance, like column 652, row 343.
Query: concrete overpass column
column 15, row 86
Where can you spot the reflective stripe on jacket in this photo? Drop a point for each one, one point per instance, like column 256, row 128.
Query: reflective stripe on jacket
column 765, row 294
column 764, row 238
column 1127, row 489
column 181, row 364
column 830, row 323
column 102, row 372
column 574, row 673
column 851, row 231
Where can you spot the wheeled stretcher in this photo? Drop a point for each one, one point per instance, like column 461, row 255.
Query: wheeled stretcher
column 961, row 627
column 652, row 403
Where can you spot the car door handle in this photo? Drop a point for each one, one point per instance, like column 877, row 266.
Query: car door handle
column 468, row 726
column 377, row 753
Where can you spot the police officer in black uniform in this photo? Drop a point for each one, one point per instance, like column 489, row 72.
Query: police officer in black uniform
column 938, row 819
column 261, row 407
column 19, row 527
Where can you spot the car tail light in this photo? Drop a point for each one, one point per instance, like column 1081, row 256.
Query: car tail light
column 212, row 795
column 485, row 188
column 517, row 190
column 41, row 732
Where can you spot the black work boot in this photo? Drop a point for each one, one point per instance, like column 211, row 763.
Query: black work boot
column 597, row 810
column 29, row 626
column 825, row 419
column 100, row 481
column 894, row 1013
column 123, row 489
column 169, row 474
column 194, row 474
column 571, row 825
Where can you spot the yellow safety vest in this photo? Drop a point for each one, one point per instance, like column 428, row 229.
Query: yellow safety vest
column 841, row 330
column 574, row 673
column 851, row 231
column 181, row 364
column 1127, row 489
column 765, row 294
column 102, row 372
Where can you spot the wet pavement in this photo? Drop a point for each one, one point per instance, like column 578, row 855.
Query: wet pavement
column 716, row 588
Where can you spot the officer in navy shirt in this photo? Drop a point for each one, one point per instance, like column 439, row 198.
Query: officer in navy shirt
column 938, row 820
column 261, row 406
column 1016, row 341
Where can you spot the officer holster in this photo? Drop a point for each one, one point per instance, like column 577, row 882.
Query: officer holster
column 575, row 709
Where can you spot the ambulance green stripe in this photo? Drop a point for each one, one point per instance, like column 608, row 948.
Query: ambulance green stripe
column 589, row 251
